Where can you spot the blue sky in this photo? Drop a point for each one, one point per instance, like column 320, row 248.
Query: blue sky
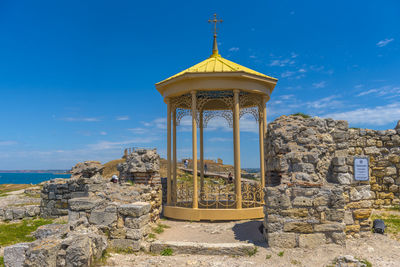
column 77, row 77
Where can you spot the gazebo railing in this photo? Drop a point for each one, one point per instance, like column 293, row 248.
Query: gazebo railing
column 215, row 195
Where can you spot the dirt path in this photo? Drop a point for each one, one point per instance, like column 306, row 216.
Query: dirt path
column 380, row 250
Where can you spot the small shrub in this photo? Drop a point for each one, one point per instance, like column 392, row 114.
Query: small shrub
column 252, row 252
column 281, row 253
column 123, row 250
column 151, row 236
column 103, row 259
column 295, row 262
column 167, row 252
column 268, row 256
column 299, row 114
column 367, row 263
column 1, row 261
column 160, row 228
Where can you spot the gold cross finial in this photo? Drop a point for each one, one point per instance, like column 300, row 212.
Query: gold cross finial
column 215, row 20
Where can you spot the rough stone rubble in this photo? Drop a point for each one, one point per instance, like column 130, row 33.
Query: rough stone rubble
column 101, row 214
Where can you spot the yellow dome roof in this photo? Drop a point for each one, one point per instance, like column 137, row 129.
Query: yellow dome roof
column 216, row 63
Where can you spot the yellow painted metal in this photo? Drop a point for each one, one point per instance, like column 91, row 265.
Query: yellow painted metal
column 194, row 150
column 236, row 149
column 215, row 63
column 169, row 197
column 180, row 213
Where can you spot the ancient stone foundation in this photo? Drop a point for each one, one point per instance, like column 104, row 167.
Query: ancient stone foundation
column 100, row 213
column 311, row 195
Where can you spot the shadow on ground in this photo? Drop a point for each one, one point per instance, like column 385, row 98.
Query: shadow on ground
column 249, row 231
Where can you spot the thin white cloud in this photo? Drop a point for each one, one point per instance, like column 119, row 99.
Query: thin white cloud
column 7, row 143
column 123, row 118
column 387, row 91
column 233, row 49
column 324, row 103
column 93, row 119
column 138, row 130
column 103, row 133
column 282, row 62
column 367, row 92
column 320, row 84
column 287, row 74
column 379, row 115
column 104, row 145
column 384, row 42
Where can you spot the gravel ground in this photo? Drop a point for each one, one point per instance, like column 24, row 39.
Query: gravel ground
column 380, row 250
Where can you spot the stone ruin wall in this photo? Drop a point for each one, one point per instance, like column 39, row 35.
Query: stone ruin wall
column 121, row 211
column 311, row 196
column 141, row 166
column 100, row 213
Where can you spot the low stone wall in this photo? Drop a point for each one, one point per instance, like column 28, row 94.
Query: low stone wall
column 298, row 216
column 57, row 193
column 311, row 194
column 125, row 225
column 19, row 212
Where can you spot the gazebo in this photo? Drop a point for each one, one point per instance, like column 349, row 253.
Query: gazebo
column 214, row 87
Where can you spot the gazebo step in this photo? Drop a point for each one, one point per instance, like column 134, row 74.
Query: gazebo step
column 179, row 247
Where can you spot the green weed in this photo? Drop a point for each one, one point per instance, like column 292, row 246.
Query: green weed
column 295, row 262
column 281, row 253
column 167, row 252
column 160, row 228
column 305, row 116
column 268, row 256
column 252, row 252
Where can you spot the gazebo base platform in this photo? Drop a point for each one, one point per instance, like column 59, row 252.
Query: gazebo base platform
column 190, row 214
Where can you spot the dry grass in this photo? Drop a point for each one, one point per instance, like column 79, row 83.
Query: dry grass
column 110, row 168
column 5, row 188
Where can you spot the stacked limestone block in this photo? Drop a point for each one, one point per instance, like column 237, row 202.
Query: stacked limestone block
column 125, row 225
column 57, row 193
column 59, row 245
column 10, row 213
column 141, row 166
column 304, row 217
column 304, row 153
column 383, row 150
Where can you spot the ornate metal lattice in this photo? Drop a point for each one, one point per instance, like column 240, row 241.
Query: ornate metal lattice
column 210, row 114
column 217, row 195
column 249, row 104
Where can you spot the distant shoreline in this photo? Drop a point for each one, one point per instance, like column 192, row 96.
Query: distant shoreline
column 36, row 171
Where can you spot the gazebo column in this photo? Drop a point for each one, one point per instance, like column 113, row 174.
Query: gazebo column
column 201, row 156
column 265, row 115
column 194, row 149
column 174, row 184
column 236, row 144
column 169, row 151
column 261, row 137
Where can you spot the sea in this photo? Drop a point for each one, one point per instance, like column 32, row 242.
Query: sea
column 29, row 178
